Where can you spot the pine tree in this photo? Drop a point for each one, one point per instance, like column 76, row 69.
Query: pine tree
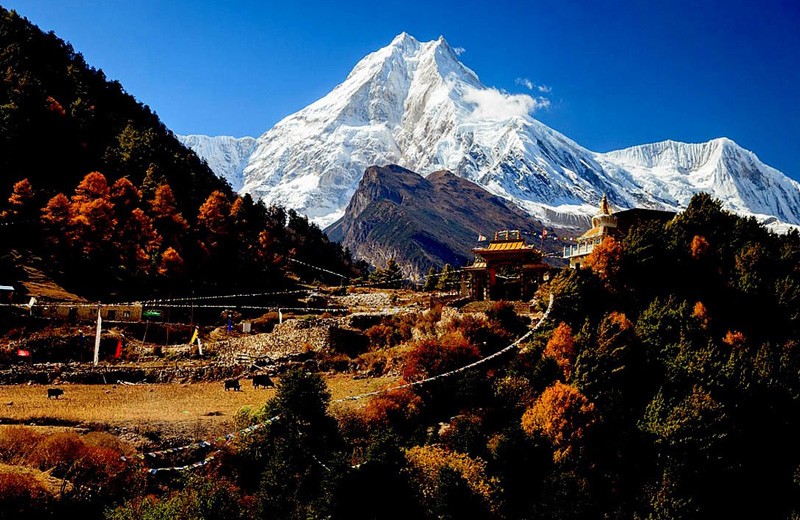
column 447, row 280
column 168, row 221
column 20, row 204
column 391, row 277
column 125, row 197
column 171, row 264
column 214, row 216
column 91, row 222
column 55, row 222
column 137, row 242
column 431, row 280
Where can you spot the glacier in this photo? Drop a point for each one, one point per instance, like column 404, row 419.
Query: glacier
column 227, row 156
column 416, row 105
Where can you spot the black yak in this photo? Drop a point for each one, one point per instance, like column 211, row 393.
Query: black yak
column 263, row 381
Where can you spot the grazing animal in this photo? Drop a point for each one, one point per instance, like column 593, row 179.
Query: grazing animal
column 263, row 381
column 232, row 384
column 54, row 393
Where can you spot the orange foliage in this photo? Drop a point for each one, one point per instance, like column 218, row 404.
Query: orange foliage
column 171, row 263
column 16, row 443
column 734, row 339
column 561, row 414
column 93, row 186
column 125, row 196
column 238, row 213
column 56, row 213
column 561, row 347
column 20, row 196
column 605, row 259
column 54, row 106
column 701, row 313
column 214, row 214
column 92, row 224
column 91, row 463
column 138, row 240
column 700, row 247
column 426, row 462
column 99, row 467
column 395, row 408
column 21, row 494
column 435, row 356
column 621, row 321
column 57, row 453
column 168, row 219
column 91, row 220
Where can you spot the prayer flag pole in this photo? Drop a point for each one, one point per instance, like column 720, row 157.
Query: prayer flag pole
column 97, row 337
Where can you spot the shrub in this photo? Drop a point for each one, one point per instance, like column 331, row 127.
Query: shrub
column 431, row 357
column 464, row 433
column 98, row 474
column 394, row 409
column 383, row 336
column 203, row 498
column 57, row 453
column 425, row 465
column 426, row 322
column 504, row 319
column 22, row 495
column 17, row 443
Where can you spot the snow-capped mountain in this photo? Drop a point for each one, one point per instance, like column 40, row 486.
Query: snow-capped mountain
column 672, row 172
column 416, row 105
column 226, row 156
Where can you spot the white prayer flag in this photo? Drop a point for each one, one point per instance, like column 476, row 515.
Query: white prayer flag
column 97, row 338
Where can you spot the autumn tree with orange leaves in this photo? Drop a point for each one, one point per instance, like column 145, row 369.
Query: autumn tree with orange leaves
column 605, row 259
column 168, row 220
column 563, row 415
column 91, row 216
column 561, row 347
column 20, row 203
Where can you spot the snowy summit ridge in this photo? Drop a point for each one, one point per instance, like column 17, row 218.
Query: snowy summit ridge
column 226, row 156
column 415, row 104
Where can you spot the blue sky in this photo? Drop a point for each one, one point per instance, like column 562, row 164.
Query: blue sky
column 620, row 73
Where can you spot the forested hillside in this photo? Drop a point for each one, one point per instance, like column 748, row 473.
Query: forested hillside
column 663, row 384
column 92, row 180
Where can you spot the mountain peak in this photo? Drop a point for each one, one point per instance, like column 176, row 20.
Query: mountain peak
column 415, row 104
column 403, row 38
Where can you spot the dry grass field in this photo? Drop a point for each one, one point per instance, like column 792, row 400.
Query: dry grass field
column 184, row 410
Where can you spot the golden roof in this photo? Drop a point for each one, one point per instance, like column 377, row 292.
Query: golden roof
column 594, row 232
column 505, row 246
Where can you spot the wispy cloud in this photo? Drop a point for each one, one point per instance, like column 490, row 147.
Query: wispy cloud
column 496, row 105
column 459, row 51
column 525, row 82
column 530, row 85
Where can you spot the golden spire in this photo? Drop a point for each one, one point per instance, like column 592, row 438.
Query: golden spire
column 604, row 208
